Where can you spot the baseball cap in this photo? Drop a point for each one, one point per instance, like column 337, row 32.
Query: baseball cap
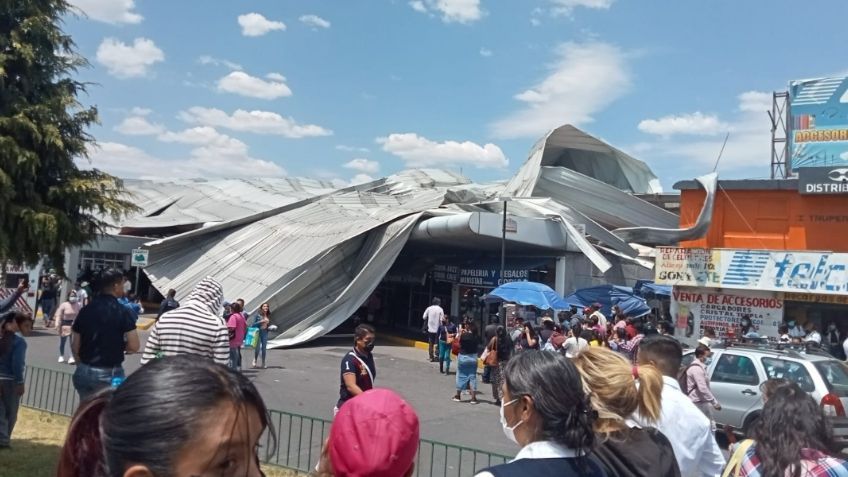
column 375, row 434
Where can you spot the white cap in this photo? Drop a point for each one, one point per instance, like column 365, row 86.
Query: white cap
column 706, row 341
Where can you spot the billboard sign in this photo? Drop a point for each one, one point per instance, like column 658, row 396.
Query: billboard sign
column 772, row 270
column 823, row 180
column 819, row 124
column 693, row 309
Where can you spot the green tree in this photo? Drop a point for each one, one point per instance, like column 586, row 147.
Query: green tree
column 47, row 203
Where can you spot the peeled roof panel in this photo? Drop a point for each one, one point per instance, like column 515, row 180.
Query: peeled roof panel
column 251, row 258
column 603, row 203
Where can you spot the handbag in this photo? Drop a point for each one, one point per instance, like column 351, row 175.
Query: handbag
column 455, row 347
column 491, row 358
column 252, row 337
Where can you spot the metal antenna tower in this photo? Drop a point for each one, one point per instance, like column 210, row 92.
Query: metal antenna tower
column 779, row 115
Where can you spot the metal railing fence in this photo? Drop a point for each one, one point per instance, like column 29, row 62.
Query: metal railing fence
column 299, row 438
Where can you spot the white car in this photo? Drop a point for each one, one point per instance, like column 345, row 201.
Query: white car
column 737, row 371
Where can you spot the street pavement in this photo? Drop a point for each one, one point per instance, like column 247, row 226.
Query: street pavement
column 305, row 380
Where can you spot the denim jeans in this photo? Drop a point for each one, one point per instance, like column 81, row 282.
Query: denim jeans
column 9, row 403
column 261, row 345
column 88, row 380
column 235, row 357
column 445, row 354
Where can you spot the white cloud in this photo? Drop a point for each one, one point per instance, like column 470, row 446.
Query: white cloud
column 360, row 179
column 363, row 165
column 566, row 7
column 254, row 24
column 212, row 61
column 314, row 21
column 451, row 11
column 139, row 111
column 485, row 52
column 747, row 151
column 418, row 6
column 419, row 151
column 342, row 147
column 128, row 61
column 239, row 82
column 109, row 11
column 696, row 123
column 755, row 101
column 138, row 125
column 131, row 162
column 586, row 78
column 258, row 122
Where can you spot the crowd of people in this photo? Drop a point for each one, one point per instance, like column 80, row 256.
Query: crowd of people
column 578, row 396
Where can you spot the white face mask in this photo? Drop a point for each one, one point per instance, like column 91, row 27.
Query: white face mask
column 509, row 432
column 72, row 299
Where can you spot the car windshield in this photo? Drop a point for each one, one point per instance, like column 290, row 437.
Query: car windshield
column 835, row 373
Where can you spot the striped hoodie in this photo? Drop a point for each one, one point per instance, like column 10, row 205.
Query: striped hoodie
column 196, row 327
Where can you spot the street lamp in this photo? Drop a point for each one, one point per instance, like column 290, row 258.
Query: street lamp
column 503, row 254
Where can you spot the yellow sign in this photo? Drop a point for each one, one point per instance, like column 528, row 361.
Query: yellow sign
column 817, row 298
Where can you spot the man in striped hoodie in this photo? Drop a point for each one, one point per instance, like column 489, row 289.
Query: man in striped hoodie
column 194, row 328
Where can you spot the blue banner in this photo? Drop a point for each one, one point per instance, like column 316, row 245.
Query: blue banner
column 819, row 123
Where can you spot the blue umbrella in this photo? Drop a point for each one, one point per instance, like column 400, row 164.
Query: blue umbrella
column 609, row 295
column 529, row 293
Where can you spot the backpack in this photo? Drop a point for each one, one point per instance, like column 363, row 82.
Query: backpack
column 682, row 379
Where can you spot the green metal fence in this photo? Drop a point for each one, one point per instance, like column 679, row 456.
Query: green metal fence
column 299, row 437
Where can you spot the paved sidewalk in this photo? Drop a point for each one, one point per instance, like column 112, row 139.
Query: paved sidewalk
column 305, row 380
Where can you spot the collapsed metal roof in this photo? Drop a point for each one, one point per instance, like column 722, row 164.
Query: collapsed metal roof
column 315, row 253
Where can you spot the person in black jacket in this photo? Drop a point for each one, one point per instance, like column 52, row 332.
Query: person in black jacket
column 625, row 449
column 169, row 303
column 546, row 412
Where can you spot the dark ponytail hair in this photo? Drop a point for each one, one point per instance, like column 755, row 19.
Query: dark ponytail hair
column 149, row 418
column 6, row 338
column 555, row 386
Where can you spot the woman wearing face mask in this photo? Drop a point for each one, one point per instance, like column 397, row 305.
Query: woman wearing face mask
column 626, row 449
column 179, row 415
column 446, row 334
column 546, row 412
column 65, row 316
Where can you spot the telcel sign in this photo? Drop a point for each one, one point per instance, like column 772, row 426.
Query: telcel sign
column 823, row 180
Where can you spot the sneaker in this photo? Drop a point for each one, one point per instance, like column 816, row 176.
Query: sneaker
column 474, row 401
column 456, row 399
column 254, row 364
column 61, row 359
column 72, row 361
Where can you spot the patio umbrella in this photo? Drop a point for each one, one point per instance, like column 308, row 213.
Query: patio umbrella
column 609, row 295
column 529, row 293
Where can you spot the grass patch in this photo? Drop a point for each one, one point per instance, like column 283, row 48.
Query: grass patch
column 37, row 442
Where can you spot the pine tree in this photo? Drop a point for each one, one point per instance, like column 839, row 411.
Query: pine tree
column 46, row 202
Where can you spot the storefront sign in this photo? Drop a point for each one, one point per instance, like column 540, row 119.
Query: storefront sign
column 805, row 272
column 817, row 298
column 819, row 124
column 478, row 277
column 693, row 309
column 823, row 180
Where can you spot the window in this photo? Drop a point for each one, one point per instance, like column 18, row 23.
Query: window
column 790, row 371
column 735, row 369
column 100, row 260
column 835, row 374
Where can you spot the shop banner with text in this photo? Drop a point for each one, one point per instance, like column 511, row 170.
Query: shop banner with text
column 787, row 271
column 819, row 126
column 693, row 309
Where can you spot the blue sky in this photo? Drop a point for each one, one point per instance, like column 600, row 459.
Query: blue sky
column 345, row 90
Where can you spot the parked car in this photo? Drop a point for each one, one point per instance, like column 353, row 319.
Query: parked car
column 737, row 371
